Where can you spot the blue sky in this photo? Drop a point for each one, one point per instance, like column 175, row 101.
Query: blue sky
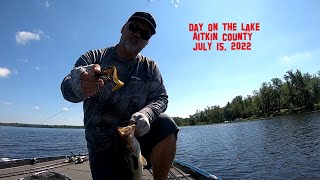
column 40, row 40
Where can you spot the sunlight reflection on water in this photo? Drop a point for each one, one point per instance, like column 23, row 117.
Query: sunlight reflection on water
column 275, row 148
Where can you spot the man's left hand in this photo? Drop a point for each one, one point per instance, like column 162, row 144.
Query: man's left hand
column 142, row 122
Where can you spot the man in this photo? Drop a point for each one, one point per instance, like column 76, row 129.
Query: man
column 142, row 100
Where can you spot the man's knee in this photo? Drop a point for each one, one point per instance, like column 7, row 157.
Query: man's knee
column 165, row 121
column 169, row 141
column 168, row 123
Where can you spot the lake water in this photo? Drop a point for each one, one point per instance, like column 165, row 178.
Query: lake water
column 276, row 148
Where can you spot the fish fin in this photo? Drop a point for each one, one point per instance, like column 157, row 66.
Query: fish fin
column 143, row 161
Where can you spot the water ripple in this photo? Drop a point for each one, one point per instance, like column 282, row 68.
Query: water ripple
column 278, row 148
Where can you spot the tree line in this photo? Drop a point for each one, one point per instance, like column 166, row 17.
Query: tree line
column 295, row 93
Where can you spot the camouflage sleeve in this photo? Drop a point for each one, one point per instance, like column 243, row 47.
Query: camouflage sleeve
column 157, row 99
column 71, row 85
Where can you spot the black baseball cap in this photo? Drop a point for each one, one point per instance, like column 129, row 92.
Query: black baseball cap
column 147, row 18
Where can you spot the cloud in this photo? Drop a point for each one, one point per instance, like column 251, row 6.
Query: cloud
column 175, row 2
column 24, row 37
column 299, row 57
column 36, row 107
column 4, row 72
column 6, row 102
column 66, row 109
column 46, row 3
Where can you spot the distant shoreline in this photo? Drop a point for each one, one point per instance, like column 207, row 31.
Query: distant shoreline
column 82, row 127
column 41, row 126
column 178, row 120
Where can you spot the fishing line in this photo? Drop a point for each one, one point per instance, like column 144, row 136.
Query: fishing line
column 57, row 113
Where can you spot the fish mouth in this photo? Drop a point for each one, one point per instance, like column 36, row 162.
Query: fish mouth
column 127, row 138
column 127, row 129
column 126, row 134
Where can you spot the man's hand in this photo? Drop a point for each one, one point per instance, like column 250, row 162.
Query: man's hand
column 89, row 83
column 142, row 122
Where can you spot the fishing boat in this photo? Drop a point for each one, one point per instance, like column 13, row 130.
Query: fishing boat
column 75, row 167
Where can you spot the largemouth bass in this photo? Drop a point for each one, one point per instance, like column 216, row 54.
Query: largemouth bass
column 129, row 153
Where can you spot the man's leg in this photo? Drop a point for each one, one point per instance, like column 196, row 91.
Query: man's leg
column 158, row 146
column 162, row 157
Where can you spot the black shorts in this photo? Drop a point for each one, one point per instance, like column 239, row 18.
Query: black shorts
column 161, row 128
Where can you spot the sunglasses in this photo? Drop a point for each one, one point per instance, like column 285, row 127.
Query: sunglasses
column 133, row 27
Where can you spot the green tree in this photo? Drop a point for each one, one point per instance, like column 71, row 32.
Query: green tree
column 276, row 87
column 227, row 112
column 266, row 97
column 237, row 107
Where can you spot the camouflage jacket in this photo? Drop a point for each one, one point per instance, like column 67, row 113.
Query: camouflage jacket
column 143, row 91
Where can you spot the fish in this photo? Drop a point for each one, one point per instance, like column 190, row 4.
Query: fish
column 129, row 153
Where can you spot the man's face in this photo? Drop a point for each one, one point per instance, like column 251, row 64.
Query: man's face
column 135, row 35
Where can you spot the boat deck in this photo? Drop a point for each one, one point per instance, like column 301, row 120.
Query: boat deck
column 79, row 170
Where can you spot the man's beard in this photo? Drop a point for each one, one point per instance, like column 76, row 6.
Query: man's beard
column 132, row 45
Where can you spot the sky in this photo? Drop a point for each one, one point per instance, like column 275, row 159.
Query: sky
column 40, row 40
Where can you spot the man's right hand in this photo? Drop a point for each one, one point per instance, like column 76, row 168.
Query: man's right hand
column 89, row 83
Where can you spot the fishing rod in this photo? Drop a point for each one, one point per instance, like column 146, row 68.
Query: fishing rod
column 57, row 114
column 53, row 162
